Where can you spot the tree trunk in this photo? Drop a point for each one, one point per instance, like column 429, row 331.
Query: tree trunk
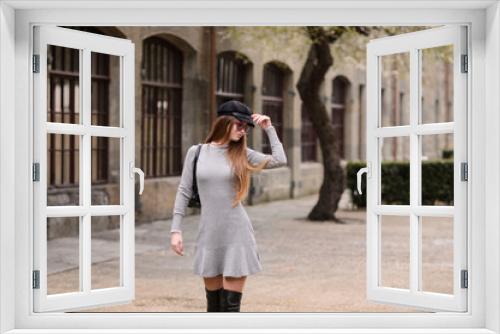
column 319, row 60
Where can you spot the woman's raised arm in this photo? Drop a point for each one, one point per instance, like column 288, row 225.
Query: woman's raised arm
column 277, row 158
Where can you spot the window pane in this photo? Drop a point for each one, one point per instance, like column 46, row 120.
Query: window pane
column 63, row 255
column 395, row 169
column 63, row 80
column 437, row 254
column 437, row 85
column 395, row 251
column 105, row 93
column 105, row 252
column 394, row 80
column 106, row 171
column 437, row 169
column 63, row 169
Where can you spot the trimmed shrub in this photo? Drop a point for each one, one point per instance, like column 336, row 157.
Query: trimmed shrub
column 447, row 154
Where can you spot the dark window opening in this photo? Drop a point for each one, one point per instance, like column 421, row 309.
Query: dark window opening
column 272, row 101
column 161, row 121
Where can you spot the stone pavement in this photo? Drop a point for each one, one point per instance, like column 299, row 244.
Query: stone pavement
column 307, row 266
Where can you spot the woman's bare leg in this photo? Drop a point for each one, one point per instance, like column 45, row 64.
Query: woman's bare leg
column 213, row 283
column 234, row 283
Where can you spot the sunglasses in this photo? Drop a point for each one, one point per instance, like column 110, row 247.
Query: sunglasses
column 242, row 126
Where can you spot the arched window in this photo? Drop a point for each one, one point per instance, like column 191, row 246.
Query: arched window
column 231, row 76
column 308, row 137
column 340, row 88
column 63, row 80
column 272, row 101
column 161, row 121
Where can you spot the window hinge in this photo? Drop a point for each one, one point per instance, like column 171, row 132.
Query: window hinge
column 36, row 171
column 36, row 279
column 465, row 279
column 36, row 63
column 465, row 66
column 464, row 171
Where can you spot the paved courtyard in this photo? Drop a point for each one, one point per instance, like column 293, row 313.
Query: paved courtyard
column 307, row 266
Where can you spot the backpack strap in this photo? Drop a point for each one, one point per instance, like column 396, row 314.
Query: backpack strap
column 195, row 185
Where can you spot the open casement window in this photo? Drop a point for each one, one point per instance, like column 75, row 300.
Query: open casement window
column 70, row 135
column 417, row 225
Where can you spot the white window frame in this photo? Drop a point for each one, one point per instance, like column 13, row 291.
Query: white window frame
column 412, row 45
column 16, row 19
column 123, row 49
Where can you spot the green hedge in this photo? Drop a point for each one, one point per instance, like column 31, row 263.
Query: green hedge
column 437, row 182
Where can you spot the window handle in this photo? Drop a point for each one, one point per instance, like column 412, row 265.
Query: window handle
column 133, row 171
column 360, row 173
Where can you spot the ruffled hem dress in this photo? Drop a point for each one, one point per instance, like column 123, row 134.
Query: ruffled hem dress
column 225, row 242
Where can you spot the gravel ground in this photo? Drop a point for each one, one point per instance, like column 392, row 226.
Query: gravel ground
column 307, row 266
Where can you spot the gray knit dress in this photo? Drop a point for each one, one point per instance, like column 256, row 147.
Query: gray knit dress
column 225, row 243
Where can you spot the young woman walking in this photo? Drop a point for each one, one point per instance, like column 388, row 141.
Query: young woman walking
column 226, row 251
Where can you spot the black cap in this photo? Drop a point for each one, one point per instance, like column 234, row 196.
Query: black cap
column 237, row 109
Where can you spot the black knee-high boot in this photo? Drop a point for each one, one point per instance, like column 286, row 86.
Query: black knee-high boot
column 231, row 301
column 214, row 300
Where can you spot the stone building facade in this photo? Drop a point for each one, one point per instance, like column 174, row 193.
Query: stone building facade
column 173, row 94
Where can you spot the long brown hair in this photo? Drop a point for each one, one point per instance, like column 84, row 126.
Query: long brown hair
column 236, row 153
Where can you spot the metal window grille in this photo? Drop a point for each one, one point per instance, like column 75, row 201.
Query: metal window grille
column 161, row 121
column 338, row 112
column 231, row 77
column 272, row 101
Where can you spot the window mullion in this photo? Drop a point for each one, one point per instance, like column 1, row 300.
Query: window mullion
column 86, row 161
column 414, row 171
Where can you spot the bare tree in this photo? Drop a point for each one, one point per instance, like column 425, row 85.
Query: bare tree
column 318, row 62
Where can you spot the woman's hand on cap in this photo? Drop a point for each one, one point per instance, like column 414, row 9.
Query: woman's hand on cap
column 262, row 120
